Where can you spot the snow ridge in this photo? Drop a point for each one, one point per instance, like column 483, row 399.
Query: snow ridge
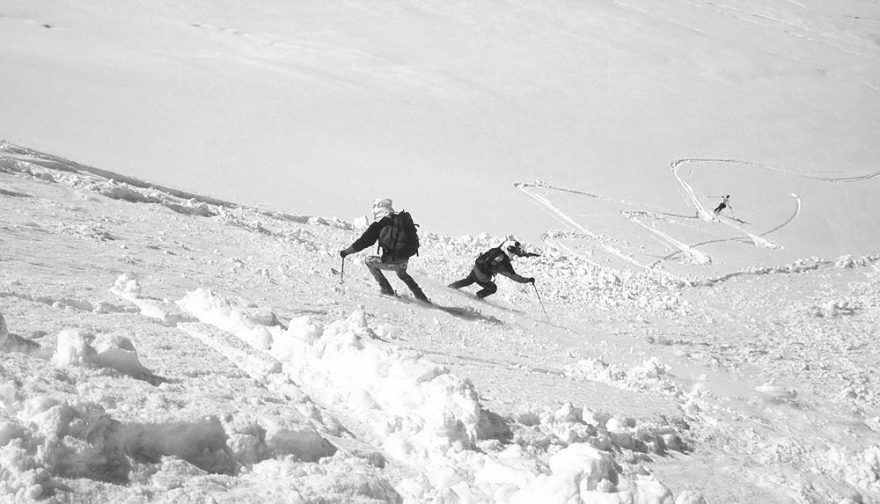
column 421, row 414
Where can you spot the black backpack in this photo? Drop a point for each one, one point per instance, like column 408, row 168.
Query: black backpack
column 486, row 259
column 400, row 238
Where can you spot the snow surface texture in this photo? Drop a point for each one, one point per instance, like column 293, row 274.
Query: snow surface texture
column 154, row 355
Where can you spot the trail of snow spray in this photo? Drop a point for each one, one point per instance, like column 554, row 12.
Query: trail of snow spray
column 696, row 255
column 705, row 214
column 524, row 187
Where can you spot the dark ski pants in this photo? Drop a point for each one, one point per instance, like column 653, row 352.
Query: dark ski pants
column 488, row 286
column 375, row 265
column 720, row 207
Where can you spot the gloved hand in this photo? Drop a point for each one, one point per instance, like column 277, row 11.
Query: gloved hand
column 343, row 253
column 531, row 280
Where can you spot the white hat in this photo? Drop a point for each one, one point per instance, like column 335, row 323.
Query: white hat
column 382, row 207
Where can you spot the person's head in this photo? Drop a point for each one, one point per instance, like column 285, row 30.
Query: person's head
column 381, row 208
column 728, row 196
column 516, row 249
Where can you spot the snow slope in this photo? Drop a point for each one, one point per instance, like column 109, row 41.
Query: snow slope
column 460, row 99
column 165, row 347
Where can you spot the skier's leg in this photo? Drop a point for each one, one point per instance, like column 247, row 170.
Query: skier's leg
column 471, row 278
column 374, row 264
column 410, row 281
column 488, row 288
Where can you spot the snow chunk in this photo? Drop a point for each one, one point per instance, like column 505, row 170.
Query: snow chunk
column 690, row 497
column 118, row 352
column 127, row 287
column 127, row 284
column 775, row 392
column 76, row 348
column 305, row 444
column 586, row 464
column 231, row 316
column 415, row 406
column 73, row 348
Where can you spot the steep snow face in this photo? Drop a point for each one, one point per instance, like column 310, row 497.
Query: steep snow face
column 458, row 99
column 160, row 345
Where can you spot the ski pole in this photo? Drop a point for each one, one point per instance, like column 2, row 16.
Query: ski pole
column 342, row 272
column 541, row 302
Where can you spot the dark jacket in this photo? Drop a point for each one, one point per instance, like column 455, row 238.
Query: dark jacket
column 500, row 265
column 371, row 236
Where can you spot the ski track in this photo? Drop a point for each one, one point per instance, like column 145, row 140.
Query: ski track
column 559, row 245
column 567, row 219
column 696, row 255
column 677, row 246
column 223, row 329
column 794, row 215
column 259, row 365
column 756, row 239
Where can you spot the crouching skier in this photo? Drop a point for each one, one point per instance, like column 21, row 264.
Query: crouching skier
column 490, row 263
column 398, row 241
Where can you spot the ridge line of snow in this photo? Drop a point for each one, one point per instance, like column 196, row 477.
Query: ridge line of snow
column 426, row 417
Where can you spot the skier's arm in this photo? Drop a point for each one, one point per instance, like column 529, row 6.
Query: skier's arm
column 368, row 238
column 506, row 269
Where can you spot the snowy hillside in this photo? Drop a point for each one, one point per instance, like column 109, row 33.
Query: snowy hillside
column 159, row 346
column 281, row 103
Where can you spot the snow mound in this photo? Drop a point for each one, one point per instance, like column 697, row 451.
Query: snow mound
column 652, row 373
column 128, row 288
column 47, row 438
column 415, row 405
column 231, row 316
column 425, row 417
column 690, row 497
column 44, row 437
column 399, row 394
column 76, row 348
column 73, row 348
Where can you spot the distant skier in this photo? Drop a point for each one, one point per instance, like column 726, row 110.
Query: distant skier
column 725, row 203
column 490, row 263
column 398, row 241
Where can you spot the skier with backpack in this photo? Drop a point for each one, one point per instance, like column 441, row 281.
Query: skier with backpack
column 490, row 263
column 398, row 241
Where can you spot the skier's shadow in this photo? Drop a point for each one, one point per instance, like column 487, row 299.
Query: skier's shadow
column 470, row 314
column 483, row 301
column 464, row 313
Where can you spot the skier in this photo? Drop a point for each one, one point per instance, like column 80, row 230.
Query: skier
column 398, row 241
column 725, row 203
column 491, row 262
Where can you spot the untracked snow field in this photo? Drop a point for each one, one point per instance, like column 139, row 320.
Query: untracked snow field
column 159, row 346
